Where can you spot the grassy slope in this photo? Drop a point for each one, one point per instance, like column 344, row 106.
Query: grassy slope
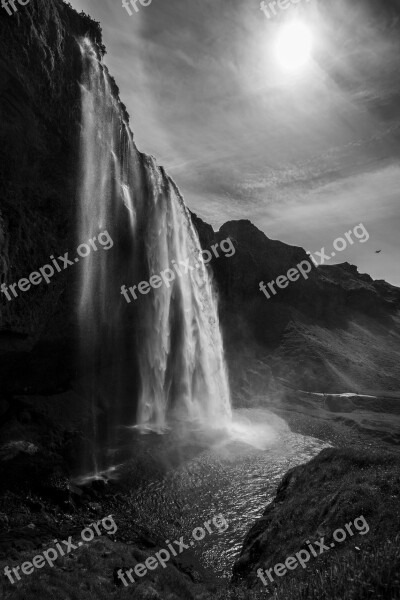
column 314, row 500
column 360, row 355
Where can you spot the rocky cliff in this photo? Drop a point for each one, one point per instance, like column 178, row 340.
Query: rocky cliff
column 40, row 110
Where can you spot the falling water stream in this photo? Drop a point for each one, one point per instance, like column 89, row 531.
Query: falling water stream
column 157, row 359
column 155, row 364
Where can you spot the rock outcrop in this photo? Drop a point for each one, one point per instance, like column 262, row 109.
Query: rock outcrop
column 40, row 112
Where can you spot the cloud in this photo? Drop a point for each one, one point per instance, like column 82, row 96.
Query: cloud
column 243, row 139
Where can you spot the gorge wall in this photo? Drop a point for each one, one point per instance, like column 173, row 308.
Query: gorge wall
column 40, row 66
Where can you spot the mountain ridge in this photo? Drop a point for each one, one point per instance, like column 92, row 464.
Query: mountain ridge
column 302, row 332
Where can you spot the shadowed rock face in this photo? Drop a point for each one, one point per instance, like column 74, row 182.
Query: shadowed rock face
column 40, row 106
column 40, row 66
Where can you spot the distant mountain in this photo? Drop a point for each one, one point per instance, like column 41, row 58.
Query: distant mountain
column 338, row 331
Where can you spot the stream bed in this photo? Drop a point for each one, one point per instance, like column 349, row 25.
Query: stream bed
column 234, row 474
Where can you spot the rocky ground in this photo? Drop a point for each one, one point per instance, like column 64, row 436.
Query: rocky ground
column 38, row 503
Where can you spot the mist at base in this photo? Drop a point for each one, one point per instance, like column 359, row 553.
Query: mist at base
column 249, row 430
column 174, row 482
column 260, row 432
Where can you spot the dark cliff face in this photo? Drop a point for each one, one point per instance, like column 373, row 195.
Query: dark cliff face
column 40, row 112
column 337, row 331
column 40, row 69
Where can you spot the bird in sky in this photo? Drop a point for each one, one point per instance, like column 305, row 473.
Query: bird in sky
column 378, row 251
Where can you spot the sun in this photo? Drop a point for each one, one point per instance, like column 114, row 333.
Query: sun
column 293, row 46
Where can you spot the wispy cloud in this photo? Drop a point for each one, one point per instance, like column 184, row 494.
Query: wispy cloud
column 242, row 139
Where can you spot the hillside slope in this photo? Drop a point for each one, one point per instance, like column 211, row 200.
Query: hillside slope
column 313, row 502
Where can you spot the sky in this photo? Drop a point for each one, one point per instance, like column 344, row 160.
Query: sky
column 305, row 152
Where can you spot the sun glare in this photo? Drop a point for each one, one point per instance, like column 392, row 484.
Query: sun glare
column 293, row 46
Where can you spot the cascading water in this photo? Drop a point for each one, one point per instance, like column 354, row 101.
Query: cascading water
column 158, row 359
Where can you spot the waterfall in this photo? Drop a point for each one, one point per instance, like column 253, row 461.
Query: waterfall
column 156, row 360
